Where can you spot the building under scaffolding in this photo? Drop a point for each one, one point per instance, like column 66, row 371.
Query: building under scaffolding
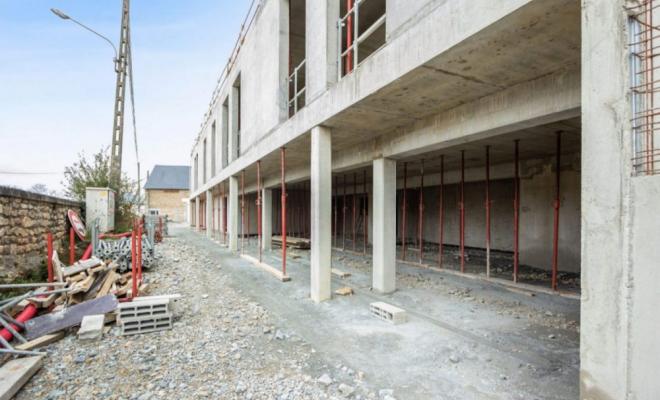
column 515, row 144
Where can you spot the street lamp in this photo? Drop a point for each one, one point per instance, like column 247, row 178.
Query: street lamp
column 64, row 16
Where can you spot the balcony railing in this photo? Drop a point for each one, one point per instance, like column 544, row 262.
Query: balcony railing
column 294, row 94
column 349, row 57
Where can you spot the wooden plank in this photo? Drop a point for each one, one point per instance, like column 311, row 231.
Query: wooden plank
column 107, row 284
column 123, row 290
column 76, row 278
column 291, row 256
column 53, row 322
column 272, row 271
column 41, row 342
column 295, row 242
column 43, row 302
column 16, row 373
column 83, row 266
column 339, row 273
column 97, row 285
column 57, row 267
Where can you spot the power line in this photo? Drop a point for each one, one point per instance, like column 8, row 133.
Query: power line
column 29, row 173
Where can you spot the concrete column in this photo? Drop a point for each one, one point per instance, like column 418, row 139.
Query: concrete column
column 266, row 219
column 321, row 46
column 283, row 70
column 189, row 209
column 197, row 219
column 384, row 227
column 232, row 215
column 619, row 338
column 234, row 109
column 209, row 213
column 321, row 230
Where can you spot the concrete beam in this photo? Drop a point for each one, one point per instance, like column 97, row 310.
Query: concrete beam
column 232, row 218
column 548, row 99
column 321, row 201
column 384, row 227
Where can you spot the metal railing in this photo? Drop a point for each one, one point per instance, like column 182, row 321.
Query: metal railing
column 645, row 87
column 353, row 38
column 292, row 83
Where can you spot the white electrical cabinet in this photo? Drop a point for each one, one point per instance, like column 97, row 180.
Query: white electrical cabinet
column 100, row 204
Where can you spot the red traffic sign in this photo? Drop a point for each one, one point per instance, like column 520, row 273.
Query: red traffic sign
column 77, row 225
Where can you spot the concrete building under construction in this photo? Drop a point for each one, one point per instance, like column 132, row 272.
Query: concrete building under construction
column 508, row 141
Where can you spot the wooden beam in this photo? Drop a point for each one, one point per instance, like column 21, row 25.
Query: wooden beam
column 16, row 373
column 41, row 341
column 272, row 271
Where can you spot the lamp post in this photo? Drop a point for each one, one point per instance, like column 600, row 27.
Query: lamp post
column 65, row 16
column 121, row 64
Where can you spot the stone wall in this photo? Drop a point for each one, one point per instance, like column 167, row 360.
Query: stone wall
column 25, row 219
column 169, row 202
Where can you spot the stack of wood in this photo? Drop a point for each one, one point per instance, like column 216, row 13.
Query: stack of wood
column 294, row 242
column 88, row 279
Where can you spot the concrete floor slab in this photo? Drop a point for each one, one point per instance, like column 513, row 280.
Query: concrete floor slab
column 507, row 345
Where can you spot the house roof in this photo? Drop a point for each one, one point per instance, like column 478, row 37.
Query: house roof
column 169, row 177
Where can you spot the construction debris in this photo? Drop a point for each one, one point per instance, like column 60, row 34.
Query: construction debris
column 294, row 242
column 345, row 291
column 340, row 273
column 145, row 316
column 15, row 373
column 91, row 328
column 119, row 251
column 71, row 316
column 42, row 341
column 388, row 312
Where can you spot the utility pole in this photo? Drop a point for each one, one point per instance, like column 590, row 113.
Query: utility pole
column 120, row 94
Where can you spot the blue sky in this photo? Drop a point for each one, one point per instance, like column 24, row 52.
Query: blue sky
column 58, row 83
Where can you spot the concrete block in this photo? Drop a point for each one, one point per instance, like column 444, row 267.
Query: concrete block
column 145, row 325
column 388, row 313
column 16, row 373
column 143, row 309
column 174, row 304
column 91, row 328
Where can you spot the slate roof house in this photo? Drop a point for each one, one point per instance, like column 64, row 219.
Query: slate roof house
column 167, row 191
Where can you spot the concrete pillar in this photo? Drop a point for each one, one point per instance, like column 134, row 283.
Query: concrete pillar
column 232, row 215
column 384, row 227
column 321, row 209
column 321, row 46
column 267, row 219
column 283, row 64
column 619, row 338
column 234, row 109
column 189, row 209
column 197, row 219
column 209, row 213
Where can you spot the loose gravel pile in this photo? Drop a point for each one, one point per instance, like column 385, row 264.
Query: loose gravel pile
column 223, row 346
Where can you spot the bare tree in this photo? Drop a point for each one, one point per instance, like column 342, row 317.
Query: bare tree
column 40, row 188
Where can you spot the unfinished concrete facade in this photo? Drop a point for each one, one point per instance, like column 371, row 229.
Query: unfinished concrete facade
column 485, row 138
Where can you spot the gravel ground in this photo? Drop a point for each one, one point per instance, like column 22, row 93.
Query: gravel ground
column 224, row 345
